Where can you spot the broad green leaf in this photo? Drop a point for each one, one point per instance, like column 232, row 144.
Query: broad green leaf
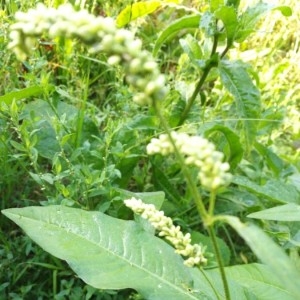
column 269, row 253
column 227, row 14
column 237, row 81
column 108, row 253
column 136, row 10
column 274, row 190
column 252, row 15
column 289, row 212
column 21, row 94
column 181, row 24
column 260, row 280
column 233, row 140
column 274, row 162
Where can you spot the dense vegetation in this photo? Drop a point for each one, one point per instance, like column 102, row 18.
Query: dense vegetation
column 190, row 106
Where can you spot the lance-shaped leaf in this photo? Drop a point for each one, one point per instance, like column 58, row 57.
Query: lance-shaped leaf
column 21, row 94
column 269, row 253
column 108, row 253
column 237, row 81
column 289, row 212
column 228, row 16
column 233, row 140
column 173, row 28
column 273, row 190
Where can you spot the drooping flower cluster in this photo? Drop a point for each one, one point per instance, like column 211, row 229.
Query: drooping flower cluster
column 198, row 151
column 100, row 34
column 165, row 227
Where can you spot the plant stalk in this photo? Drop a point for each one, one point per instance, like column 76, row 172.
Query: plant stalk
column 212, row 235
column 195, row 93
column 205, row 73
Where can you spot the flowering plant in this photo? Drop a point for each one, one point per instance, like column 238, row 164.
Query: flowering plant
column 98, row 238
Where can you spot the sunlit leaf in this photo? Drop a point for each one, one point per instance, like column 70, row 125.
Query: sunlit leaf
column 135, row 10
column 215, row 4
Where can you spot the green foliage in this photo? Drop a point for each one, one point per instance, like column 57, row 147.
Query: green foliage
column 73, row 141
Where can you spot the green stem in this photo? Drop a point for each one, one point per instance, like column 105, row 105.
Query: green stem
column 190, row 181
column 205, row 73
column 212, row 201
column 212, row 235
column 193, row 97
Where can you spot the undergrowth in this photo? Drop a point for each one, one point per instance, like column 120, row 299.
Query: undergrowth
column 71, row 135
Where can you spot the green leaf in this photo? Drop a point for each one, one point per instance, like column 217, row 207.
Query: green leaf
column 260, row 280
column 274, row 190
column 269, row 253
column 162, row 182
column 183, row 23
column 199, row 238
column 21, row 94
column 107, row 253
column 18, row 146
column 227, row 14
column 274, row 162
column 213, row 276
column 191, row 47
column 233, row 140
column 252, row 15
column 215, row 4
column 289, row 212
column 155, row 198
column 136, row 10
column 237, row 81
column 285, row 10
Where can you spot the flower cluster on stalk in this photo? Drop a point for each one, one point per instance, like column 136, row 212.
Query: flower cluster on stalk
column 101, row 35
column 193, row 254
column 197, row 151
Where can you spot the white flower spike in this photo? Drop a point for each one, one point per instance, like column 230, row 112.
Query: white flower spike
column 197, row 151
column 101, row 35
column 165, row 227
